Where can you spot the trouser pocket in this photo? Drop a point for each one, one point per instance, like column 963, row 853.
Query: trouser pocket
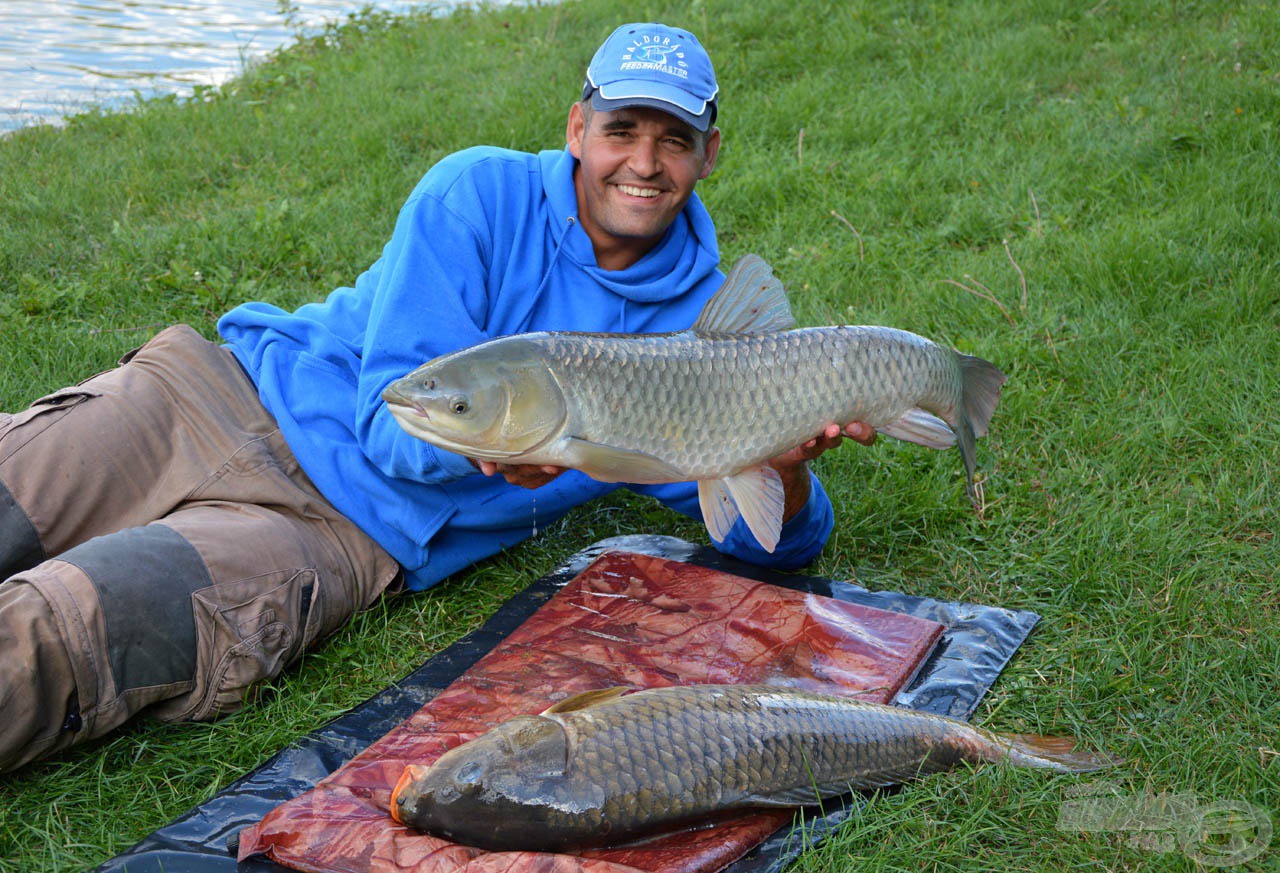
column 19, row 429
column 247, row 631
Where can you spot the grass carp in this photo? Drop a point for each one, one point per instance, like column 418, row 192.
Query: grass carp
column 712, row 403
column 608, row 766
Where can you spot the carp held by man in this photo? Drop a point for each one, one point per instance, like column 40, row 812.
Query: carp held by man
column 609, row 766
column 712, row 403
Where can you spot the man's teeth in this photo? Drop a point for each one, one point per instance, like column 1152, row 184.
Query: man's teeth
column 639, row 192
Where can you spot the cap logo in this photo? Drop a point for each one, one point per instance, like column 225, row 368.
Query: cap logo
column 654, row 54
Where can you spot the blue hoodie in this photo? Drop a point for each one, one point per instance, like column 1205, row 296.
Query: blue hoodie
column 488, row 244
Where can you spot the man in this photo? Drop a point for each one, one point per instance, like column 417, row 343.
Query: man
column 178, row 528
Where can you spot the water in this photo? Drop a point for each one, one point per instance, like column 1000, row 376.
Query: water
column 58, row 57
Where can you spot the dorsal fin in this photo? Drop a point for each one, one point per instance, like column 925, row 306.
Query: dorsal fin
column 751, row 300
column 586, row 699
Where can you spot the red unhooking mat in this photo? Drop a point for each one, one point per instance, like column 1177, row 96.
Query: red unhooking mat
column 628, row 619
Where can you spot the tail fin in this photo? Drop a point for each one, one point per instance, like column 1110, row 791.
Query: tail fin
column 980, row 383
column 1052, row 753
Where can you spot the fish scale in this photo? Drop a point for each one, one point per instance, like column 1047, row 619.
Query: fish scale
column 677, row 395
column 606, row 766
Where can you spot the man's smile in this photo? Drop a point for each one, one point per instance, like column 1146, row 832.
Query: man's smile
column 637, row 191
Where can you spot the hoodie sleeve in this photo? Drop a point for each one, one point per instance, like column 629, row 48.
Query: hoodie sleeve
column 429, row 298
column 803, row 536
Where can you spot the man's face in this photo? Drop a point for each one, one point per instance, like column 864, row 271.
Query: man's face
column 637, row 169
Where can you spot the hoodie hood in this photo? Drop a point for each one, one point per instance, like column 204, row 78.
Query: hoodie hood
column 686, row 255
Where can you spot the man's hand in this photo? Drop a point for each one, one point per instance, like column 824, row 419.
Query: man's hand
column 831, row 437
column 524, row 475
column 793, row 467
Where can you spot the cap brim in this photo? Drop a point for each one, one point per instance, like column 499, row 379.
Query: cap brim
column 673, row 101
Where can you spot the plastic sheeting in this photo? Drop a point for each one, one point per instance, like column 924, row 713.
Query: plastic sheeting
column 627, row 620
column 975, row 644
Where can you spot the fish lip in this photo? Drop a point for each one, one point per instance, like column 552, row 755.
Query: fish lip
column 407, row 406
column 412, row 772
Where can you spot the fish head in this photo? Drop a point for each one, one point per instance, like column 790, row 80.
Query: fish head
column 503, row 790
column 495, row 401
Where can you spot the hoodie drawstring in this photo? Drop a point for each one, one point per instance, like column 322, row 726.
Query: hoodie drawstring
column 546, row 277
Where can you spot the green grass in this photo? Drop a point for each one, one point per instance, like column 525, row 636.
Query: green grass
column 1086, row 194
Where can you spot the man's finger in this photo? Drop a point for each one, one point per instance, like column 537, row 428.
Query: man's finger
column 861, row 432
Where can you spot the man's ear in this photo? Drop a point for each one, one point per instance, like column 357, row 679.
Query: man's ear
column 574, row 130
column 710, row 150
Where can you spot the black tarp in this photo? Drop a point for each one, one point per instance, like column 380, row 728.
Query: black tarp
column 975, row 647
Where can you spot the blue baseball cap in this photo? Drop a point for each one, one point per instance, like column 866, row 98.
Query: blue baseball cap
column 656, row 66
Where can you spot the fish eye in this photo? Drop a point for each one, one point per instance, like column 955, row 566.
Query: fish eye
column 459, row 406
column 468, row 773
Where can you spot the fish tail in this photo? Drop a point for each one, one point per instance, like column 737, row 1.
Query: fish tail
column 980, row 383
column 1050, row 753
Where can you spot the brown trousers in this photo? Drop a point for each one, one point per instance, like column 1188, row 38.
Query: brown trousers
column 160, row 550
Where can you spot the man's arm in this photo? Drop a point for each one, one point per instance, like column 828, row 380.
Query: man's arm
column 428, row 299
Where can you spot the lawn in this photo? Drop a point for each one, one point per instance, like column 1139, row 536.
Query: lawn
column 1086, row 194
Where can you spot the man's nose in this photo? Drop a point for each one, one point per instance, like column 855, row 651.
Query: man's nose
column 644, row 159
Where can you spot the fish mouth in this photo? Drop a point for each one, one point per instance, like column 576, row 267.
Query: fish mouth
column 412, row 773
column 399, row 400
column 400, row 406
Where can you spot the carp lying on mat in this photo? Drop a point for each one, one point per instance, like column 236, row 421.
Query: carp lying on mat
column 608, row 766
column 712, row 403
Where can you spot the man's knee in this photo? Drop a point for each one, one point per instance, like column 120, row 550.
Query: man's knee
column 94, row 637
column 20, row 547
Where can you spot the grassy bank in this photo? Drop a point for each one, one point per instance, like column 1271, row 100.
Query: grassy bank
column 1086, row 194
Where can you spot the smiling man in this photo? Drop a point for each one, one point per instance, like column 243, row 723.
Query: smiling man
column 644, row 134
column 232, row 504
column 637, row 168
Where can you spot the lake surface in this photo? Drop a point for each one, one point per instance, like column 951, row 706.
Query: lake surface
column 58, row 57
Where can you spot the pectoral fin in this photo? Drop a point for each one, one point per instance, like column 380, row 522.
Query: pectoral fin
column 918, row 426
column 812, row 793
column 805, row 795
column 755, row 493
column 611, row 464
